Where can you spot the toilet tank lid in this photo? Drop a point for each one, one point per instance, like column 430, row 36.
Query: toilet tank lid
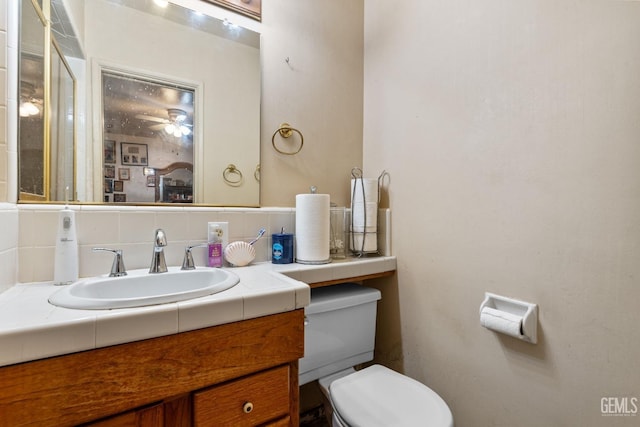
column 336, row 297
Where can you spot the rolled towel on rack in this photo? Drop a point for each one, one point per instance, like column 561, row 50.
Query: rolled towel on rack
column 364, row 242
column 366, row 190
column 365, row 216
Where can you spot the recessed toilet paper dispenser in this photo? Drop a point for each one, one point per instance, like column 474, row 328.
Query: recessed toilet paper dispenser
column 515, row 318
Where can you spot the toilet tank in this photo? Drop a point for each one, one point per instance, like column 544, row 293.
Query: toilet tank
column 340, row 329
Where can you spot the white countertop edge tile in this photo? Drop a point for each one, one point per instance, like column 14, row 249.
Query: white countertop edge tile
column 31, row 328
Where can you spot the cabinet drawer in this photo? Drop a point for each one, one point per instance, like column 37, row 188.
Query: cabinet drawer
column 245, row 402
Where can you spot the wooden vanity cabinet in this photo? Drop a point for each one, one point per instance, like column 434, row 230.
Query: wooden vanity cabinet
column 237, row 374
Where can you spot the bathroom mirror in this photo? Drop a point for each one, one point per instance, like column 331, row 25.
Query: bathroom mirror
column 220, row 61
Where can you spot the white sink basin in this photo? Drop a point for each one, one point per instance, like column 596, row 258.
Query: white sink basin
column 139, row 288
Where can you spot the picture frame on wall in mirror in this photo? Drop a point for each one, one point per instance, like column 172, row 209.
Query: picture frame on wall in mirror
column 109, row 171
column 133, row 154
column 151, row 180
column 250, row 8
column 109, row 151
column 120, row 198
column 124, row 174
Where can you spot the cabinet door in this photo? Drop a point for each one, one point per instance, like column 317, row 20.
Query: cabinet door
column 248, row 401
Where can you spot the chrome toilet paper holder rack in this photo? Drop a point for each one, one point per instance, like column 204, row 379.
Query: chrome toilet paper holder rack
column 357, row 175
column 526, row 312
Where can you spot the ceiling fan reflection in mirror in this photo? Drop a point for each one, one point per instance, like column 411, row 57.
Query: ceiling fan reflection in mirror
column 30, row 101
column 174, row 125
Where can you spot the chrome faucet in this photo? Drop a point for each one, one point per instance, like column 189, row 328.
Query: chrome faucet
column 158, row 263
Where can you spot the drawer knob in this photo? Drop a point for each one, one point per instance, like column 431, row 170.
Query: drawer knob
column 247, row 407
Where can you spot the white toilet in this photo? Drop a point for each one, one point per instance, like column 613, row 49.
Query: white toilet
column 340, row 328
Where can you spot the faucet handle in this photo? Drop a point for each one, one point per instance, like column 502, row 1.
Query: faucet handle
column 161, row 238
column 187, row 262
column 117, row 268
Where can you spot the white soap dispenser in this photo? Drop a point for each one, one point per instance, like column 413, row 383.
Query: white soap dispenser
column 65, row 269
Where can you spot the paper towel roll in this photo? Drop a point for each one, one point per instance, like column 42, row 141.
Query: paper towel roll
column 501, row 321
column 370, row 187
column 312, row 228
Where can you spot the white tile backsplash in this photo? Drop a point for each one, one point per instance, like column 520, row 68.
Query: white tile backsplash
column 8, row 246
column 137, row 227
column 8, row 270
column 196, row 222
column 3, row 14
column 132, row 230
column 174, row 224
column 97, row 228
column 31, row 236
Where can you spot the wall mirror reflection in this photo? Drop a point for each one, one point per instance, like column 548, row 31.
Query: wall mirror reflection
column 61, row 128
column 31, row 113
column 175, row 49
column 46, row 128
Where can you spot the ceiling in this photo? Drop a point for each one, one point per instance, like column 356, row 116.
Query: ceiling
column 126, row 99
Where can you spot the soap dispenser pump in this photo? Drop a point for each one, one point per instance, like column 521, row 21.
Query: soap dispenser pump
column 66, row 256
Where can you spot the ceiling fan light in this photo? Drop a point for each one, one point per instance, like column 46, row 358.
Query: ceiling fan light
column 185, row 130
column 170, row 128
column 177, row 133
column 28, row 109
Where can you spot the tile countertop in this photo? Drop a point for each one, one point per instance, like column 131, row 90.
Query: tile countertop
column 31, row 328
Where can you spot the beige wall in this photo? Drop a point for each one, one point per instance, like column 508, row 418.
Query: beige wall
column 511, row 133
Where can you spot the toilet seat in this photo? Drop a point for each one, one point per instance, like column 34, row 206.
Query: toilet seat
column 378, row 396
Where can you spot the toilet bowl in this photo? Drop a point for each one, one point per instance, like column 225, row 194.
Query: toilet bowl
column 378, row 396
column 339, row 334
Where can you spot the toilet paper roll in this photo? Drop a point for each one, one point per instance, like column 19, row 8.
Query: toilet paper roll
column 366, row 190
column 365, row 215
column 312, row 228
column 501, row 321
